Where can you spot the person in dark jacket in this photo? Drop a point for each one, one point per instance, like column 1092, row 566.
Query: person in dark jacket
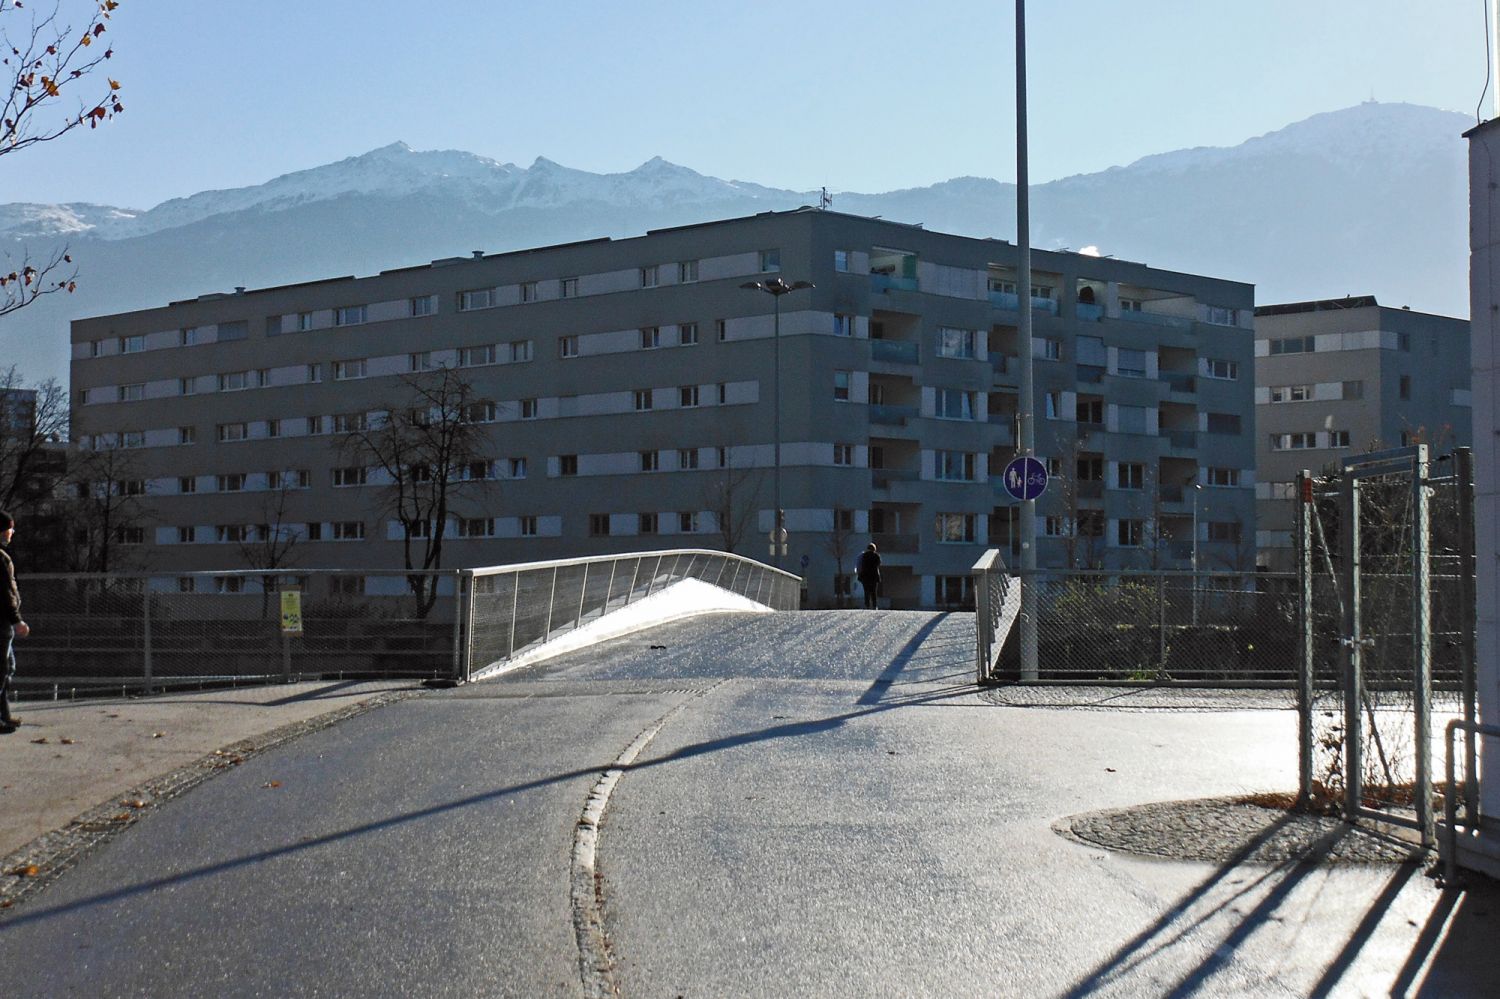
column 867, row 570
column 14, row 627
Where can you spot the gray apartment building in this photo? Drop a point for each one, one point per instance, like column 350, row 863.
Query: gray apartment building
column 1340, row 376
column 626, row 393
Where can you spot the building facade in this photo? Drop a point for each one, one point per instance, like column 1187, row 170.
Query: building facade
column 1342, row 376
column 626, row 392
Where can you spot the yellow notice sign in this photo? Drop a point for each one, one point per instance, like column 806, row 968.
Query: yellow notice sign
column 291, row 612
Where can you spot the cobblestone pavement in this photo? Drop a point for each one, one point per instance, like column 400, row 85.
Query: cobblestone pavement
column 1229, row 830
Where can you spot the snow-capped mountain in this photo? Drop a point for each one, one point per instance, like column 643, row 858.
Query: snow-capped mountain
column 1369, row 199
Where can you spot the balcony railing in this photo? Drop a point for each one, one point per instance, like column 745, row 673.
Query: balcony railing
column 899, row 544
column 1156, row 318
column 1090, row 373
column 885, row 282
column 892, row 415
column 1011, row 302
column 1087, row 312
column 1090, row 489
column 897, row 351
column 1180, row 381
column 1185, row 439
column 882, row 477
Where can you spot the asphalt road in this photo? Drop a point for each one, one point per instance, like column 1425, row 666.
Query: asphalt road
column 818, row 804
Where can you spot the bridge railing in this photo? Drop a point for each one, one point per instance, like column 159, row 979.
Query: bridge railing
column 514, row 610
column 997, row 602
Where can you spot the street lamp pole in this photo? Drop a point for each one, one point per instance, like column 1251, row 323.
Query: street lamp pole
column 776, row 287
column 1197, row 491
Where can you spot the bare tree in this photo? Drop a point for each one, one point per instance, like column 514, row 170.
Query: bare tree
column 33, row 430
column 839, row 544
column 49, row 69
column 106, row 511
column 427, row 448
column 269, row 547
column 729, row 497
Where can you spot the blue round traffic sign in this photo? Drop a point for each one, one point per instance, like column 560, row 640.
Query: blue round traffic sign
column 1025, row 478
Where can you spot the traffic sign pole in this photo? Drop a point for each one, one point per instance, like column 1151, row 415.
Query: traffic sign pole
column 1026, row 443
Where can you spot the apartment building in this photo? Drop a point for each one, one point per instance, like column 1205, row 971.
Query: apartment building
column 626, row 388
column 1341, row 376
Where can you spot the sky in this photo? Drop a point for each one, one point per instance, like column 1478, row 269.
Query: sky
column 864, row 97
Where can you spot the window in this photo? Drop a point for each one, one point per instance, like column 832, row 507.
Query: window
column 1223, row 476
column 347, row 586
column 687, row 334
column 1132, row 420
column 423, row 305
column 722, row 457
column 1131, row 363
column 567, row 464
column 186, row 337
column 517, row 468
column 650, row 461
column 1089, row 468
column 473, row 357
column 1224, row 531
column 313, row 532
column 229, row 584
column 643, row 398
column 1090, row 524
column 1128, row 533
column 349, row 530
column 1291, row 393
column 1338, row 438
column 723, row 393
column 1054, row 468
column 1130, row 305
column 234, row 381
column 1220, row 316
column 346, row 370
column 528, row 409
column 687, row 522
column 955, row 528
column 646, row 523
column 1294, row 442
column 132, row 344
column 354, row 475
column 841, row 386
column 1056, row 527
column 841, row 261
column 1089, row 411
column 1223, row 423
column 954, row 591
column 687, row 272
column 314, row 425
column 1354, row 390
column 649, row 276
column 131, row 393
column 687, row 396
column 956, row 404
column 599, row 525
column 476, row 471
column 1053, row 405
column 1223, row 370
column 479, row 298
column 187, row 435
column 187, row 535
column 955, row 466
column 1293, row 345
column 1404, row 390
column 348, row 423
column 1130, row 475
column 687, row 458
column 231, row 483
column 528, row 527
column 650, row 337
column 420, row 361
column 476, row 527
column 567, row 346
column 520, row 351
column 1403, row 341
column 315, row 372
column 296, row 479
column 843, row 324
column 843, row 520
column 567, row 287
column 133, row 438
column 955, row 342
column 528, row 291
column 187, row 484
column 232, row 431
column 843, row 454
column 226, row 533
column 483, row 411
column 770, row 261
column 349, row 315
column 721, row 329
column 1051, row 349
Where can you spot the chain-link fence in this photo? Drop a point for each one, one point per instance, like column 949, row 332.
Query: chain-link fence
column 517, row 608
column 117, row 632
column 1158, row 626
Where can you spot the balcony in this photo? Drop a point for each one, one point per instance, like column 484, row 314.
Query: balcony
column 895, row 416
column 1011, row 302
column 1184, row 440
column 894, row 351
column 881, row 478
column 1091, row 373
column 1090, row 489
column 897, row 544
column 1088, row 313
column 1171, row 494
column 1157, row 319
column 1180, row 381
column 886, row 282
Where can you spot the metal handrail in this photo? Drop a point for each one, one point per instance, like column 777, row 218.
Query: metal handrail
column 1450, row 800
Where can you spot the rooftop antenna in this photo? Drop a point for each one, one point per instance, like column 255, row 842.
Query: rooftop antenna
column 824, row 199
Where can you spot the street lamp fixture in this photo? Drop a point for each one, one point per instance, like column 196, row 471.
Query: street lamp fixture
column 776, row 287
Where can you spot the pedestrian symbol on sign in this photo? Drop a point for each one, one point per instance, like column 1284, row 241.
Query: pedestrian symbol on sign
column 1025, row 478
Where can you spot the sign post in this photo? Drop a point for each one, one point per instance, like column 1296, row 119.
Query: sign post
column 291, row 624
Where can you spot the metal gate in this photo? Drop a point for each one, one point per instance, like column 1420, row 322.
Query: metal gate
column 1387, row 583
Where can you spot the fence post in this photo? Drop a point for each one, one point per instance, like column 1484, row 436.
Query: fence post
column 1464, row 471
column 651, row 583
column 146, row 632
column 1422, row 641
column 1305, row 513
column 1161, row 625
column 1353, row 667
column 609, row 589
column 982, row 623
column 551, row 602
column 458, row 625
column 583, row 592
column 469, row 625
column 515, row 607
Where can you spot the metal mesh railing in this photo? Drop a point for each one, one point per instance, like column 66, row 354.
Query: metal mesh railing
column 516, row 608
column 1153, row 626
column 131, row 631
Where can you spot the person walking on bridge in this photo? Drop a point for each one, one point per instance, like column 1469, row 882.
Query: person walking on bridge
column 867, row 569
column 14, row 627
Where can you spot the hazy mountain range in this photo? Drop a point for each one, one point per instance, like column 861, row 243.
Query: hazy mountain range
column 1369, row 199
